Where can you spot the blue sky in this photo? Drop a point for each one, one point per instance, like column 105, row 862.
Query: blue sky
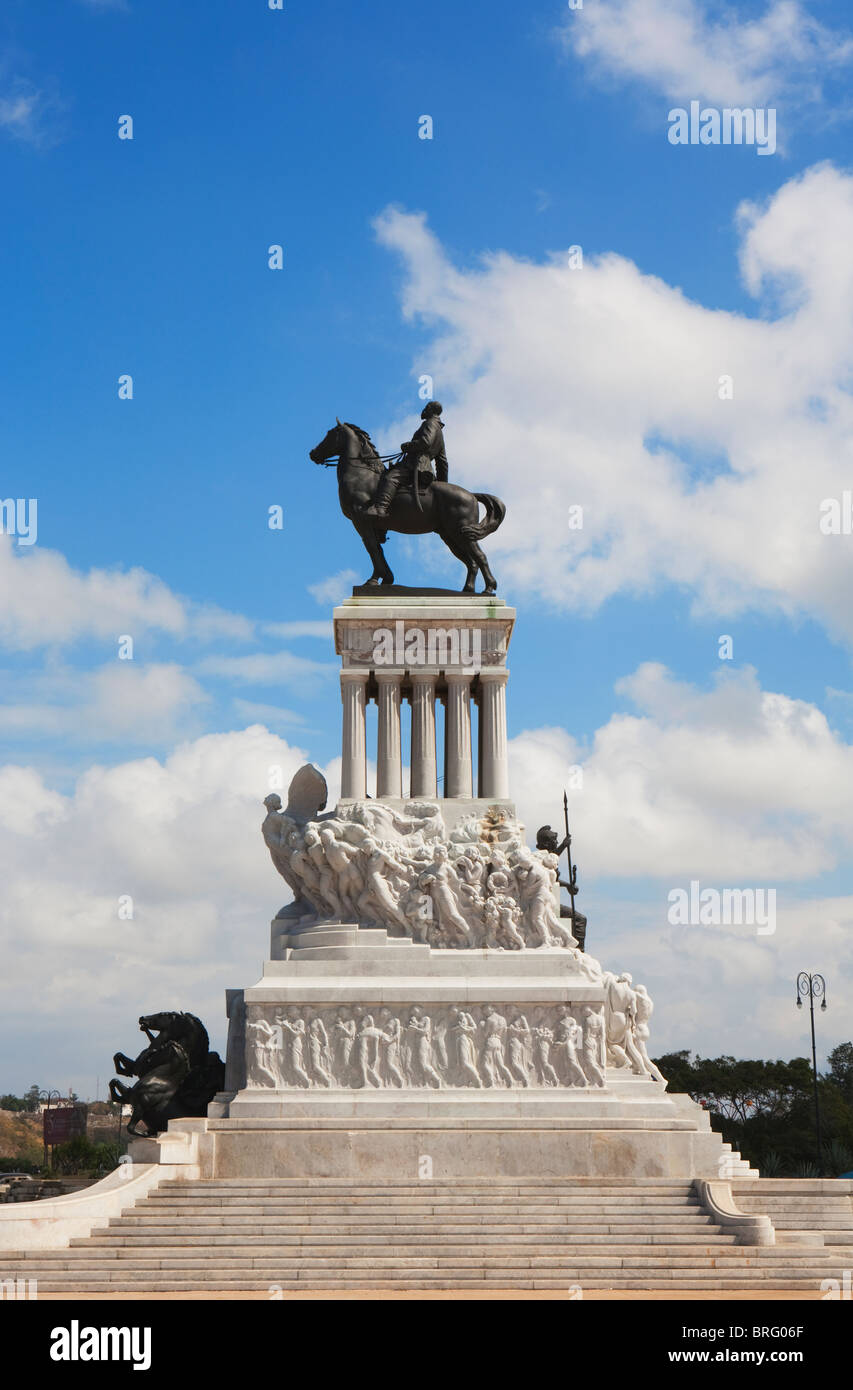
column 149, row 257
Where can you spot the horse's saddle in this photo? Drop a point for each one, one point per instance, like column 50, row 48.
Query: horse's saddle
column 407, row 484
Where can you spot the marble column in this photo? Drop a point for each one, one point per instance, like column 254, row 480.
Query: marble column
column 389, row 763
column 457, row 735
column 354, row 743
column 475, row 696
column 424, row 773
column 494, row 770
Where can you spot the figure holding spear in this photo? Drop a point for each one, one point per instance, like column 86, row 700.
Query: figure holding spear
column 546, row 839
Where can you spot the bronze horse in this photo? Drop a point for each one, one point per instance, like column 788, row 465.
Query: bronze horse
column 178, row 1075
column 450, row 511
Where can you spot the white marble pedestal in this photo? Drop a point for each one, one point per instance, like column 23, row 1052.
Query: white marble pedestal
column 486, row 1087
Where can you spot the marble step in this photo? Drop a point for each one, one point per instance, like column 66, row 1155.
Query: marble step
column 257, row 1254
column 795, row 1204
column 331, row 1204
column 368, row 1264
column 262, row 1237
column 415, row 1194
column 641, row 1240
column 450, row 1286
column 138, row 1230
column 679, row 1282
column 457, row 1255
column 418, row 1189
column 807, row 1222
column 798, row 1187
column 229, row 1235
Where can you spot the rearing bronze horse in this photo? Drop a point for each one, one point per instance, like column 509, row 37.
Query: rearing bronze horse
column 450, row 511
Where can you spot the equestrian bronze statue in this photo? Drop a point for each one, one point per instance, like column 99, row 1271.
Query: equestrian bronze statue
column 409, row 498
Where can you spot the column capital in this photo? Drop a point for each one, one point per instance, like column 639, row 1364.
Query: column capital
column 423, row 674
column 494, row 673
column 460, row 677
column 354, row 673
column 389, row 675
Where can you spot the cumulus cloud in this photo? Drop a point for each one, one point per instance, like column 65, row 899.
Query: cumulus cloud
column 121, row 701
column 335, row 588
column 735, row 787
column 48, row 602
column 322, row 630
column 724, row 989
column 29, row 114
column 271, row 668
column 610, row 387
column 181, row 838
column 688, row 49
column 744, row 785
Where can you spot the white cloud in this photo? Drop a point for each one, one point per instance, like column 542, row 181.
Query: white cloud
column 726, row 990
column 737, row 785
column 601, row 387
column 690, row 49
column 48, row 602
column 299, row 629
column 120, row 701
column 182, row 838
column 335, row 588
column 271, row 668
column 29, row 113
column 266, row 714
column 18, row 113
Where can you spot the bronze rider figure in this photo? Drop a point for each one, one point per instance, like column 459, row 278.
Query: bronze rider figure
column 426, row 445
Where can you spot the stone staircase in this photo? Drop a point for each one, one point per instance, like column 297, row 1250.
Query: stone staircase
column 803, row 1210
column 266, row 1234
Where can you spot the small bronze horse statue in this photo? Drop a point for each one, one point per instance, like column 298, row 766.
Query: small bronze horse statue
column 178, row 1075
column 450, row 511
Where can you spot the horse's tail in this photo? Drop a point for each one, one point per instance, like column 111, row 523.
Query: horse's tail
column 495, row 513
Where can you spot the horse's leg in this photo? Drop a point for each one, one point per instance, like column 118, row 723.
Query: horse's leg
column 117, row 1090
column 488, row 578
column 381, row 569
column 124, row 1065
column 135, row 1117
column 462, row 550
column 452, row 516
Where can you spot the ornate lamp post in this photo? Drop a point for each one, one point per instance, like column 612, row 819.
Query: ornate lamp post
column 48, row 1099
column 813, row 987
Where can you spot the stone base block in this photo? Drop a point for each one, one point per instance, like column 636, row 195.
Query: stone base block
column 389, row 1150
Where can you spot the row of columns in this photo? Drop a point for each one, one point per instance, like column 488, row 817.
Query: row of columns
column 458, row 769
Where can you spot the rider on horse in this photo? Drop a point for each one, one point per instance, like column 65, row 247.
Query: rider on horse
column 426, row 444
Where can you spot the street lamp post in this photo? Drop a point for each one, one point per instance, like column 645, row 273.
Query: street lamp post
column 48, row 1098
column 813, row 987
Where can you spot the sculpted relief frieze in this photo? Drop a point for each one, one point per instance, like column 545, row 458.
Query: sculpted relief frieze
column 477, row 1046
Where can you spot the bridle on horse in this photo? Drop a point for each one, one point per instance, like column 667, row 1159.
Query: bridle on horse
column 334, row 459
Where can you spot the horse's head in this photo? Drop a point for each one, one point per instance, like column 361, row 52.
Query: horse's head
column 168, row 1023
column 177, row 1028
column 329, row 445
column 350, row 442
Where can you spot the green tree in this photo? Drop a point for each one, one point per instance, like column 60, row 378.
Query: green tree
column 841, row 1069
column 766, row 1108
column 31, row 1099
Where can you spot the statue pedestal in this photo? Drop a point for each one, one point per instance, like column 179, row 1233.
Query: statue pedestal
column 359, row 1054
